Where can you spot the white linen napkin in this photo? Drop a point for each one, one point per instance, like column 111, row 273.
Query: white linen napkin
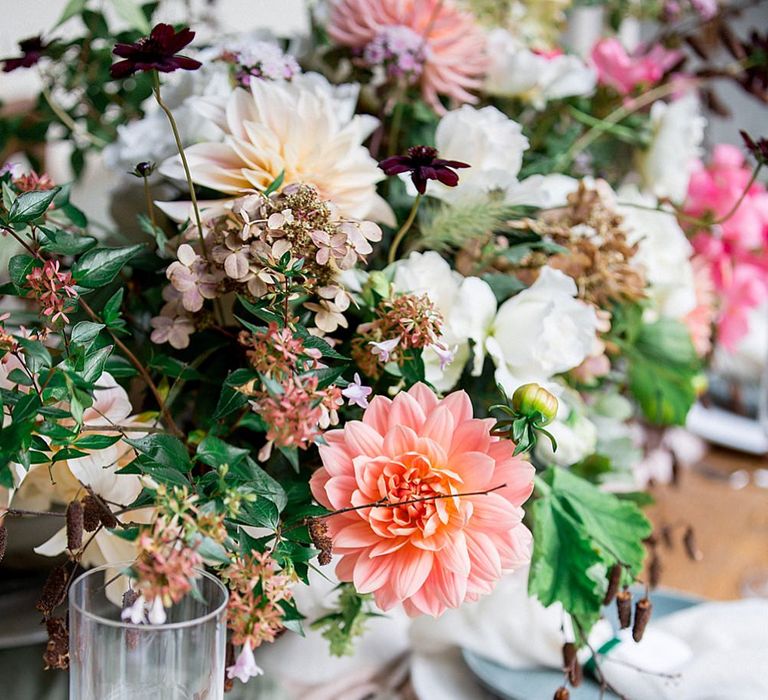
column 726, row 659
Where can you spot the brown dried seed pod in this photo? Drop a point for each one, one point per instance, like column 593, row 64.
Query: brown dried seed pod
column 54, row 590
column 74, row 526
column 91, row 513
column 56, row 654
column 613, row 583
column 689, row 542
column 654, row 570
column 624, row 608
column 230, row 661
column 569, row 655
column 3, row 540
column 562, row 693
column 318, row 533
column 666, row 537
column 576, row 674
column 642, row 616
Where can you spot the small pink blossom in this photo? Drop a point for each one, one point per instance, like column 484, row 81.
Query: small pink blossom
column 53, row 290
column 245, row 667
column 190, row 275
column 384, row 349
column 624, row 72
column 173, row 330
column 356, row 393
column 445, row 354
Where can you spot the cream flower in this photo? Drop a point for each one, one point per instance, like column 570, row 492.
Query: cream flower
column 296, row 129
column 493, row 145
column 542, row 331
column 664, row 253
column 516, row 71
column 678, row 131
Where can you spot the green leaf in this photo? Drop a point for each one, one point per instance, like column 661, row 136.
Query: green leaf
column 111, row 311
column 214, row 452
column 131, row 13
column 94, row 364
column 231, row 399
column 276, row 184
column 29, row 206
column 326, row 375
column 72, row 8
column 65, row 243
column 413, row 368
column 580, row 532
column 85, row 331
column 96, row 442
column 260, row 312
column 263, row 484
column 316, row 343
column 19, row 266
column 38, row 357
column 99, row 266
column 165, row 450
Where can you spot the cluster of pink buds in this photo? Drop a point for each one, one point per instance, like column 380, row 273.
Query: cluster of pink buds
column 53, row 290
column 254, row 614
column 396, row 52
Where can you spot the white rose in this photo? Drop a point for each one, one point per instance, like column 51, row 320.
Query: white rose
column 516, row 71
column 664, row 252
column 678, row 131
column 467, row 305
column 542, row 331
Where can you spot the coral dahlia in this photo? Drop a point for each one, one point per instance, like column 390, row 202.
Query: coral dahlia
column 454, row 46
column 430, row 553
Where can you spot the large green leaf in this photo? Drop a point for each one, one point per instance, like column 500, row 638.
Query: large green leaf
column 100, row 266
column 165, row 450
column 29, row 206
column 579, row 533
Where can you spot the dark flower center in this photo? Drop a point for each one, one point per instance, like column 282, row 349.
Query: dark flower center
column 422, row 155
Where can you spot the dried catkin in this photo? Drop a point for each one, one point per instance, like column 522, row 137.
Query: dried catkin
column 642, row 616
column 74, row 526
column 613, row 583
column 562, row 693
column 56, row 654
column 624, row 608
column 689, row 541
column 54, row 590
column 318, row 533
column 91, row 513
column 3, row 541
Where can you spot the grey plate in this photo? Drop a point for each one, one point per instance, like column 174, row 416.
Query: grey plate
column 540, row 683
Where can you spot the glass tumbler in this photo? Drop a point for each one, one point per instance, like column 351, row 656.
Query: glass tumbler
column 182, row 659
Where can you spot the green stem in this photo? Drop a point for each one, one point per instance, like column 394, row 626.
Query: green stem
column 183, row 156
column 622, row 132
column 738, row 202
column 150, row 205
column 398, row 239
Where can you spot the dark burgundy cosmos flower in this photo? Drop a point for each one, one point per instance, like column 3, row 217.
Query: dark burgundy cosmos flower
column 423, row 164
column 32, row 50
column 155, row 52
column 759, row 148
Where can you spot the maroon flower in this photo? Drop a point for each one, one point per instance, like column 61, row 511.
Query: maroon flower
column 155, row 52
column 759, row 148
column 32, row 49
column 423, row 164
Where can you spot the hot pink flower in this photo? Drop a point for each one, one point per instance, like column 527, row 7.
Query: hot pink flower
column 736, row 248
column 624, row 72
column 701, row 319
column 454, row 58
column 434, row 553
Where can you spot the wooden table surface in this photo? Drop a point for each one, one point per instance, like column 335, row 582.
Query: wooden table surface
column 730, row 524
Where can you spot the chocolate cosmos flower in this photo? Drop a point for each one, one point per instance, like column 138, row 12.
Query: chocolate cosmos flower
column 32, row 49
column 155, row 52
column 423, row 164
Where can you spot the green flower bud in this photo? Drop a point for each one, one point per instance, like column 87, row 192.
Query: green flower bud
column 534, row 401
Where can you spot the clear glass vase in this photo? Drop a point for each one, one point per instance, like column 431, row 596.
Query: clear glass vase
column 182, row 659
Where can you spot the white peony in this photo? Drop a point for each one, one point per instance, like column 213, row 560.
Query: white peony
column 493, row 145
column 542, row 331
column 467, row 305
column 516, row 71
column 664, row 253
column 678, row 131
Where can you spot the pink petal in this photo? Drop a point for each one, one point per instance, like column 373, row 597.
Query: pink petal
column 363, row 439
column 459, row 405
column 439, row 426
column 406, row 411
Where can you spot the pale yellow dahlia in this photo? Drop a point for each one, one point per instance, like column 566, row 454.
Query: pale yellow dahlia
column 300, row 129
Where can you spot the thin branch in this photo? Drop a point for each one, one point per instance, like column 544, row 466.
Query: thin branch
column 386, row 503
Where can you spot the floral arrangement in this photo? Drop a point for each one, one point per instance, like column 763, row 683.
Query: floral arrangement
column 403, row 299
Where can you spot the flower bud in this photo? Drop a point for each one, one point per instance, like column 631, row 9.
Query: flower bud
column 531, row 399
